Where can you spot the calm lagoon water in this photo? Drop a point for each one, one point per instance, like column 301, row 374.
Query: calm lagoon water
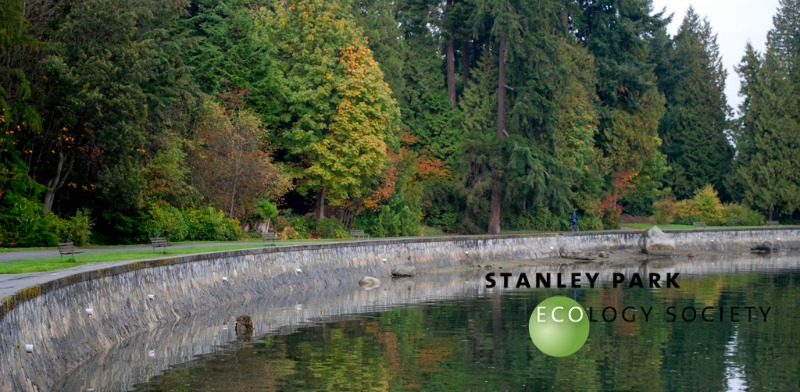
column 481, row 343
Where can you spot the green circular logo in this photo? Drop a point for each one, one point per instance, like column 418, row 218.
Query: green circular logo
column 559, row 326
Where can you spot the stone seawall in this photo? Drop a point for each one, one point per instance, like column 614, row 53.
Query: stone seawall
column 140, row 296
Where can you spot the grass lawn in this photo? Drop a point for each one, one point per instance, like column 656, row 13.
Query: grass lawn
column 56, row 263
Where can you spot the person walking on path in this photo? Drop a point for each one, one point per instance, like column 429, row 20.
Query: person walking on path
column 573, row 220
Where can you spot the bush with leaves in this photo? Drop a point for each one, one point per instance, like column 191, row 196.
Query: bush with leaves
column 22, row 223
column 167, row 221
column 706, row 207
column 663, row 211
column 393, row 220
column 210, row 224
column 331, row 228
column 77, row 229
column 738, row 215
column 292, row 227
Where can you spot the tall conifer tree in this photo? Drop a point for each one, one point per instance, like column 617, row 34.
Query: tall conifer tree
column 694, row 127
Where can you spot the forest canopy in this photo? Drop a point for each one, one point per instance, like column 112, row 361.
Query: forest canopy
column 200, row 119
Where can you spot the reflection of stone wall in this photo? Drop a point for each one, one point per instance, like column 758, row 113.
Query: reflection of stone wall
column 133, row 362
column 320, row 278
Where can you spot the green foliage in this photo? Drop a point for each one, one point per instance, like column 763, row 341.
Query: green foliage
column 693, row 129
column 145, row 110
column 590, row 223
column 168, row 176
column 735, row 214
column 22, row 223
column 339, row 114
column 331, row 228
column 210, row 224
column 768, row 170
column 293, row 227
column 264, row 209
column 393, row 220
column 77, row 229
column 167, row 221
column 647, row 186
column 708, row 206
column 704, row 207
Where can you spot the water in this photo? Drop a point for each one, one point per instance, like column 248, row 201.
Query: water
column 481, row 342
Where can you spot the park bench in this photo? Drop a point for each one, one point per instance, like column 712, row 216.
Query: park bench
column 159, row 242
column 269, row 236
column 67, row 248
column 357, row 233
column 773, row 223
column 699, row 224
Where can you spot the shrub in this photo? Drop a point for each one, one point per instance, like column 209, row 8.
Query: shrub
column 263, row 210
column 708, row 205
column 703, row 207
column 663, row 211
column 77, row 229
column 739, row 215
column 410, row 222
column 590, row 223
column 686, row 212
column 331, row 228
column 393, row 220
column 210, row 224
column 22, row 223
column 167, row 221
column 543, row 219
column 292, row 227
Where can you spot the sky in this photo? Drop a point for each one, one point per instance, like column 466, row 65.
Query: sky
column 735, row 22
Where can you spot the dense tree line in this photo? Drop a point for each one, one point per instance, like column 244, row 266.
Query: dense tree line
column 194, row 118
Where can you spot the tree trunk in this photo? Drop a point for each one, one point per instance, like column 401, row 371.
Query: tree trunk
column 233, row 200
column 58, row 181
column 501, row 89
column 497, row 186
column 321, row 205
column 497, row 200
column 465, row 61
column 451, row 60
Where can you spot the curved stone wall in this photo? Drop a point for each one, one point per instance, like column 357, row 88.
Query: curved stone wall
column 140, row 296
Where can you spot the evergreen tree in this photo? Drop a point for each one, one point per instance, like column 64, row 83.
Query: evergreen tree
column 481, row 153
column 618, row 33
column 693, row 128
column 22, row 218
column 767, row 138
column 771, row 173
